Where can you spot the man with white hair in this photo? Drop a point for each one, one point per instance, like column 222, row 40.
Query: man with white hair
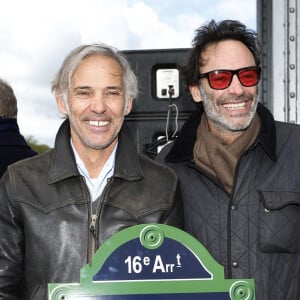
column 58, row 208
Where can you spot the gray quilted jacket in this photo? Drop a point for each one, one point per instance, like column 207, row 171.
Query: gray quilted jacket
column 254, row 232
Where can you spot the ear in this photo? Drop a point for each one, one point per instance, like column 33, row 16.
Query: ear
column 128, row 107
column 61, row 104
column 195, row 92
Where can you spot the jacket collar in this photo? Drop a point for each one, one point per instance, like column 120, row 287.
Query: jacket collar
column 127, row 159
column 9, row 125
column 63, row 163
column 10, row 133
column 182, row 148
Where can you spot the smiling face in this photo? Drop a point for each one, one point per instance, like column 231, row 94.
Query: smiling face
column 229, row 111
column 96, row 104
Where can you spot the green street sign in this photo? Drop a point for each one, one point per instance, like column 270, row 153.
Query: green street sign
column 153, row 261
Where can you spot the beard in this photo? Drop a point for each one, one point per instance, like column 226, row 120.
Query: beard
column 218, row 119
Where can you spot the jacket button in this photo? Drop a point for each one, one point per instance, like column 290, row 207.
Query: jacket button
column 235, row 264
column 233, row 207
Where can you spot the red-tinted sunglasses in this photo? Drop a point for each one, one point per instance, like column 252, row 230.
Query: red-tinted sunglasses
column 221, row 79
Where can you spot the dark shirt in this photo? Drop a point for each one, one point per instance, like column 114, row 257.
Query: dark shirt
column 13, row 146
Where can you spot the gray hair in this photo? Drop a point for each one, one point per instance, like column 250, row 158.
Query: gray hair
column 8, row 101
column 62, row 82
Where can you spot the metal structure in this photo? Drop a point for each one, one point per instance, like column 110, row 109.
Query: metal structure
column 162, row 105
column 278, row 24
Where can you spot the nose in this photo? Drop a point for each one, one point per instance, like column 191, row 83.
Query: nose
column 97, row 103
column 236, row 87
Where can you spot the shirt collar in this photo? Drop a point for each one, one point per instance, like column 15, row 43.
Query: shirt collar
column 109, row 164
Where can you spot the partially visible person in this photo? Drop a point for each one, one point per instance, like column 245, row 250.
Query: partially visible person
column 57, row 208
column 13, row 146
column 239, row 170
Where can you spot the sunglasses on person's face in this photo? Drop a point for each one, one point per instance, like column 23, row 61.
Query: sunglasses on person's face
column 221, row 79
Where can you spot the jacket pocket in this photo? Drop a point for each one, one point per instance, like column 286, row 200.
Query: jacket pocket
column 279, row 223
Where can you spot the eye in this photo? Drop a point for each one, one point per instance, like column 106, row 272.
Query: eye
column 113, row 93
column 248, row 76
column 220, row 77
column 83, row 94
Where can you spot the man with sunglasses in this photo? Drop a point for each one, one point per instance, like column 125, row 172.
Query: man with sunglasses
column 238, row 168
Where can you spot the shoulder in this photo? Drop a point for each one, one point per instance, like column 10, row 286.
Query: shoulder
column 31, row 167
column 287, row 140
column 286, row 131
column 156, row 169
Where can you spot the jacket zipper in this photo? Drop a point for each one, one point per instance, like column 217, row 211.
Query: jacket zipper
column 229, row 218
column 93, row 224
column 92, row 238
column 91, row 228
column 231, row 195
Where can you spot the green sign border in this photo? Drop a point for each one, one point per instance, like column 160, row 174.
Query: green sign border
column 151, row 237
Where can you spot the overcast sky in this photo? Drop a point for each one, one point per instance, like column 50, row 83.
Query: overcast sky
column 36, row 35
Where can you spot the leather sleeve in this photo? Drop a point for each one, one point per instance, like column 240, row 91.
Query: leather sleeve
column 11, row 245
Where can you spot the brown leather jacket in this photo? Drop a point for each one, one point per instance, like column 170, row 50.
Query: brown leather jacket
column 45, row 213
